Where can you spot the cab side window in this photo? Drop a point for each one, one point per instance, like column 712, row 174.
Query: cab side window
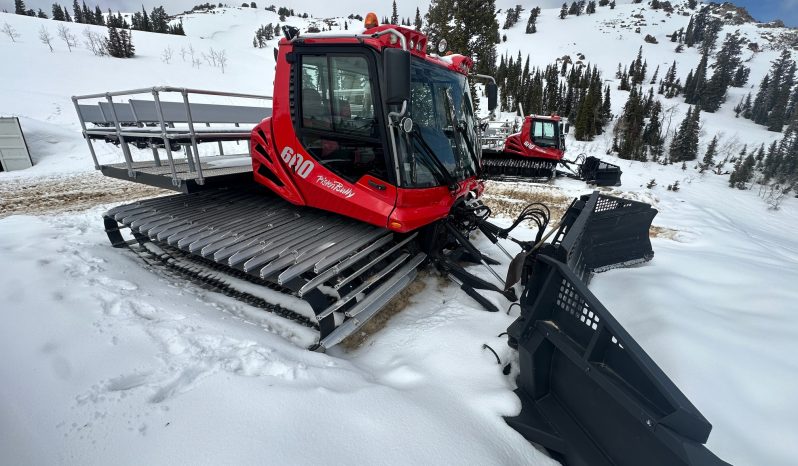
column 338, row 122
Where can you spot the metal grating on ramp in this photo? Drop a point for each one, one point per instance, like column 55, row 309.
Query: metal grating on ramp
column 183, row 169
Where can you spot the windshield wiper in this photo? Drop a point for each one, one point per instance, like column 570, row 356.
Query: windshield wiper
column 431, row 158
column 461, row 127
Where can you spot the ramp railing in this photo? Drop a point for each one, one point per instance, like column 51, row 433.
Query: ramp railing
column 116, row 118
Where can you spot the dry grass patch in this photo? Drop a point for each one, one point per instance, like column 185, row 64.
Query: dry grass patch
column 68, row 193
column 508, row 200
column 662, row 232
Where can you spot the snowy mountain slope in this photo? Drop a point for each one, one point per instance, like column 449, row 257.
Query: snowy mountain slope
column 111, row 362
column 608, row 38
column 39, row 90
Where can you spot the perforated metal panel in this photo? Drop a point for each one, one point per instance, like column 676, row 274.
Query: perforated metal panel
column 14, row 154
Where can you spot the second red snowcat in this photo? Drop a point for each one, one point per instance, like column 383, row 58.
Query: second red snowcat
column 537, row 150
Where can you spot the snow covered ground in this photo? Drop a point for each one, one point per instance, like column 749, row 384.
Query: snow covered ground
column 108, row 361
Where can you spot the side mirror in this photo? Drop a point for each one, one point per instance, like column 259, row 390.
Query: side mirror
column 567, row 127
column 493, row 96
column 396, row 67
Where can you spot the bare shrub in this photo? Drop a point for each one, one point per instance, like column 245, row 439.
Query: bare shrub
column 10, row 32
column 95, row 42
column 166, row 55
column 45, row 37
column 67, row 37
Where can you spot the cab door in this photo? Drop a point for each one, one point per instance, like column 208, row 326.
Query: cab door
column 339, row 128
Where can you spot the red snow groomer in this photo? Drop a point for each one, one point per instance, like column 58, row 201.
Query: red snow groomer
column 536, row 151
column 365, row 168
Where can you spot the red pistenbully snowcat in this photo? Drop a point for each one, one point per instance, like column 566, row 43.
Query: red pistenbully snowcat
column 366, row 168
column 537, row 150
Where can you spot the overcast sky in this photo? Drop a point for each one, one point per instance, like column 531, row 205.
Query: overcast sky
column 763, row 10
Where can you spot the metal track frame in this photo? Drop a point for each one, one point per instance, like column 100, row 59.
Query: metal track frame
column 346, row 271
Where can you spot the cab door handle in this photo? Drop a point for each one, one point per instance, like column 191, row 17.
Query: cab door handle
column 380, row 187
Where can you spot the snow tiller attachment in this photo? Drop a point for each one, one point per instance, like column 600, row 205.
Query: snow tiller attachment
column 589, row 392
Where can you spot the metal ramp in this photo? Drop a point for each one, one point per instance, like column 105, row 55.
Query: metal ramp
column 345, row 270
column 171, row 127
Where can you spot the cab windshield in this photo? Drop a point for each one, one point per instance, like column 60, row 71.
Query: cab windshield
column 544, row 133
column 441, row 148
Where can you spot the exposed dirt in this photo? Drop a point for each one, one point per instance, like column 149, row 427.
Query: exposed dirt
column 68, row 193
column 394, row 306
column 662, row 232
column 507, row 200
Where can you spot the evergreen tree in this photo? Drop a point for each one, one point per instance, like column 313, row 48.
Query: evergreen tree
column 77, row 12
column 591, row 7
column 564, row 11
column 606, row 105
column 652, row 135
column 19, row 7
column 727, row 62
column 695, row 86
column 772, row 162
column 759, row 109
column 88, row 16
column 685, row 142
column 113, row 43
column 654, row 77
column 417, row 21
column 630, row 127
column 688, row 36
column 637, row 69
column 58, row 13
column 741, row 76
column 98, row 17
column 742, row 173
column 773, row 103
column 710, row 35
column 792, row 109
column 141, row 21
column 126, row 39
column 394, row 14
column 263, row 34
column 670, row 84
column 531, row 28
column 780, row 90
column 67, row 18
column 159, row 20
column 709, row 156
column 437, row 24
column 588, row 116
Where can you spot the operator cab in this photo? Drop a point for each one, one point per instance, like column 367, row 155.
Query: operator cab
column 343, row 129
column 548, row 132
column 369, row 125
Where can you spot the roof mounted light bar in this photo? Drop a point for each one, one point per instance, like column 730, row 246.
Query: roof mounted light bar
column 293, row 36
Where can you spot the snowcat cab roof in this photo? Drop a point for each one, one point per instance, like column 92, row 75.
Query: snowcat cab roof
column 415, row 42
